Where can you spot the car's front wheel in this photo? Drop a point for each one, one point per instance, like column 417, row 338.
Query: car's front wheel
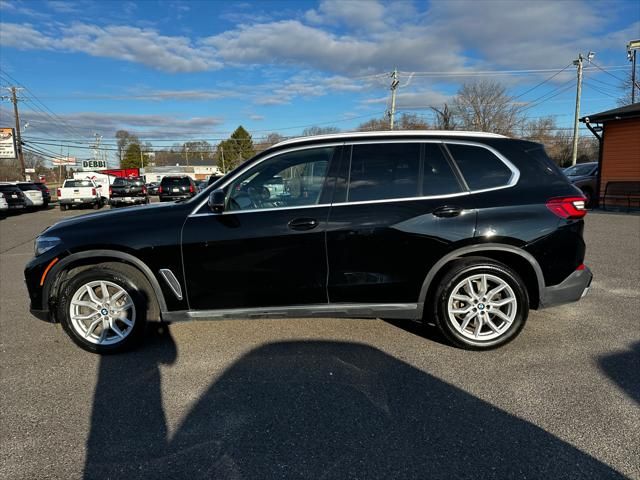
column 102, row 311
column 481, row 304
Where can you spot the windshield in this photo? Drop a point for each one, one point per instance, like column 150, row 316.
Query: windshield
column 578, row 170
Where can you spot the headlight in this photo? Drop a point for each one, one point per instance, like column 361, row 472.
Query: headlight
column 43, row 244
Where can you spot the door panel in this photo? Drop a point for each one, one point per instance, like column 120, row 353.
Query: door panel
column 384, row 233
column 255, row 259
column 381, row 253
column 268, row 246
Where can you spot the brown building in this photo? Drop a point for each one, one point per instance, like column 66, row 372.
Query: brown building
column 618, row 131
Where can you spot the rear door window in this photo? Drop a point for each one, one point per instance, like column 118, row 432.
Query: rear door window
column 384, row 171
column 479, row 166
column 437, row 176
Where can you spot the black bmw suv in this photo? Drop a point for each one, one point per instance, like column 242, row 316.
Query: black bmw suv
column 465, row 230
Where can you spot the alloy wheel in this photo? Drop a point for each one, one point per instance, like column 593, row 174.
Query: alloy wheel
column 482, row 307
column 102, row 312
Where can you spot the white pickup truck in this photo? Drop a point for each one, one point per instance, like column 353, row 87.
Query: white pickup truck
column 76, row 192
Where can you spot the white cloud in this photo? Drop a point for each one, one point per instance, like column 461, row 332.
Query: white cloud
column 144, row 125
column 145, row 46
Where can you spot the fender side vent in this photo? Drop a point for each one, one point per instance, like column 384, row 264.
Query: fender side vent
column 172, row 281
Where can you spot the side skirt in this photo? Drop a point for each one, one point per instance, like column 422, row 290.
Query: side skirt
column 339, row 310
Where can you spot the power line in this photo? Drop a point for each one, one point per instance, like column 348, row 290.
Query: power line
column 34, row 97
column 543, row 82
column 607, row 72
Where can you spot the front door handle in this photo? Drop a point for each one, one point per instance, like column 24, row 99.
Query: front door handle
column 447, row 211
column 303, row 224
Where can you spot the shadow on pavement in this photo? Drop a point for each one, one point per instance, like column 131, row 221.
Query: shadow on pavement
column 313, row 410
column 624, row 369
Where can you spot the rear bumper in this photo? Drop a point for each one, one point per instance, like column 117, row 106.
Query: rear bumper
column 128, row 200
column 572, row 289
column 78, row 201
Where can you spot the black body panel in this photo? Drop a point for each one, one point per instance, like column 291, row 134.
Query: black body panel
column 360, row 254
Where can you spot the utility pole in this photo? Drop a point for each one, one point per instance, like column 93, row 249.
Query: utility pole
column 224, row 169
column 394, row 86
column 186, row 154
column 578, row 63
column 632, row 48
column 14, row 100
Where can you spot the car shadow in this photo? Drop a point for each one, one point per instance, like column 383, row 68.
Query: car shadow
column 309, row 410
column 624, row 369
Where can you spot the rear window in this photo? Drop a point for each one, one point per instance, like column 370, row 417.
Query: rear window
column 27, row 186
column 175, row 181
column 480, row 167
column 8, row 188
column 119, row 182
column 384, row 171
column 78, row 183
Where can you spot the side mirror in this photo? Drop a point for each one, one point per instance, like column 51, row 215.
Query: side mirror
column 216, row 201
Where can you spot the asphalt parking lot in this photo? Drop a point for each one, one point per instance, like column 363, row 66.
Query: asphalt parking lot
column 328, row 398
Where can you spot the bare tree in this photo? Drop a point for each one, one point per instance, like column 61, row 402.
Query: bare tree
column 445, row 119
column 625, row 91
column 485, row 106
column 406, row 121
column 315, row 130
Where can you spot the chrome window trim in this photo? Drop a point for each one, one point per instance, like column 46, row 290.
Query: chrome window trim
column 513, row 180
column 409, row 134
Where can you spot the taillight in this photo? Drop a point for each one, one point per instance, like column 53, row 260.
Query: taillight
column 110, row 191
column 93, row 192
column 58, row 193
column 159, row 189
column 144, row 190
column 191, row 189
column 568, row 207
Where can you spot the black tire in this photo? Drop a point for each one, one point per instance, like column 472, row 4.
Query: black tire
column 96, row 206
column 71, row 286
column 468, row 267
column 63, row 207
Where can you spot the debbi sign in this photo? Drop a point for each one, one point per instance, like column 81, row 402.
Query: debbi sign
column 94, row 165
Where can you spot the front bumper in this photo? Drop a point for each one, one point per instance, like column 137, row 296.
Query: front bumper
column 571, row 289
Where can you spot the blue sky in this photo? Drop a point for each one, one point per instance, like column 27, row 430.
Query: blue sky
column 174, row 70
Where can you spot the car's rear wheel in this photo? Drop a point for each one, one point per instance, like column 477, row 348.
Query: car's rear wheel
column 63, row 207
column 481, row 304
column 102, row 311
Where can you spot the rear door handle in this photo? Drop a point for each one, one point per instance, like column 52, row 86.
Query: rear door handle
column 303, row 224
column 447, row 211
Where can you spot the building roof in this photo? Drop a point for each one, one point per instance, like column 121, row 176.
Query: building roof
column 391, row 133
column 628, row 111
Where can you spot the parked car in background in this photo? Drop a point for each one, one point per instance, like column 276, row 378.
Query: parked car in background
column 32, row 194
column 152, row 188
column 585, row 177
column 214, row 178
column 462, row 229
column 13, row 196
column 201, row 185
column 128, row 191
column 76, row 193
column 4, row 206
column 176, row 188
column 46, row 193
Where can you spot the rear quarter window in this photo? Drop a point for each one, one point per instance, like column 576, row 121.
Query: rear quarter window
column 479, row 166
